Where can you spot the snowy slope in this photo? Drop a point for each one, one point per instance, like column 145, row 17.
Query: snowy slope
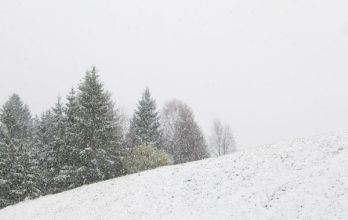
column 303, row 179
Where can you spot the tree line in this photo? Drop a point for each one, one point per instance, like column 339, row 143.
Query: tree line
column 85, row 140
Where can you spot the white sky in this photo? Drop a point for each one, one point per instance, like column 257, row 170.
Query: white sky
column 272, row 69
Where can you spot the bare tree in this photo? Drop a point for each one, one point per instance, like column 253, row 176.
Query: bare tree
column 183, row 139
column 222, row 141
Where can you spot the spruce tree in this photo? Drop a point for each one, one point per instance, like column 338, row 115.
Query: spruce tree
column 145, row 126
column 18, row 162
column 99, row 131
column 70, row 152
column 50, row 133
column 43, row 139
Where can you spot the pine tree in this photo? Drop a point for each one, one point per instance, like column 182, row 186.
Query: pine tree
column 43, row 139
column 70, row 152
column 50, row 133
column 18, row 162
column 63, row 178
column 99, row 131
column 145, row 126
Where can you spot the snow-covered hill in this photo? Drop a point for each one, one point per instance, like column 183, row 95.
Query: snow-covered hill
column 303, row 179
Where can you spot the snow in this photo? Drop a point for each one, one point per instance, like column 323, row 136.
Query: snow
column 301, row 179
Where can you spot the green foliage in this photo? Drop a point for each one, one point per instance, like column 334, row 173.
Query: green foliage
column 50, row 133
column 98, row 132
column 144, row 157
column 70, row 152
column 18, row 162
column 145, row 126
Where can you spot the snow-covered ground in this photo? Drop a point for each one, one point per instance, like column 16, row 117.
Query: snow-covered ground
column 303, row 179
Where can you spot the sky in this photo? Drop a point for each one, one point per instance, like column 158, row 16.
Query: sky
column 271, row 69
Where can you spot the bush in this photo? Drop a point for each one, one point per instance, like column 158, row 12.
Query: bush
column 144, row 158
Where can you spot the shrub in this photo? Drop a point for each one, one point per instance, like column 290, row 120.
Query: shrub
column 144, row 158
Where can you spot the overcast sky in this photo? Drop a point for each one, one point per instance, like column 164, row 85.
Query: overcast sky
column 271, row 69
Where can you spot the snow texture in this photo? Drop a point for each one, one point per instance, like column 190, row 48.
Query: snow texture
column 302, row 179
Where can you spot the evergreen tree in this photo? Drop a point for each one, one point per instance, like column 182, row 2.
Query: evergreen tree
column 145, row 126
column 70, row 152
column 43, row 139
column 99, row 131
column 18, row 162
column 64, row 172
column 50, row 133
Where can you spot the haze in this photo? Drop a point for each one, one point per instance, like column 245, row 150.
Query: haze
column 271, row 69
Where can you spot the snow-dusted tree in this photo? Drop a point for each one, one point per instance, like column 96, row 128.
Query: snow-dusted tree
column 221, row 140
column 16, row 118
column 183, row 139
column 99, row 129
column 18, row 162
column 71, row 149
column 43, row 138
column 50, row 139
column 144, row 127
